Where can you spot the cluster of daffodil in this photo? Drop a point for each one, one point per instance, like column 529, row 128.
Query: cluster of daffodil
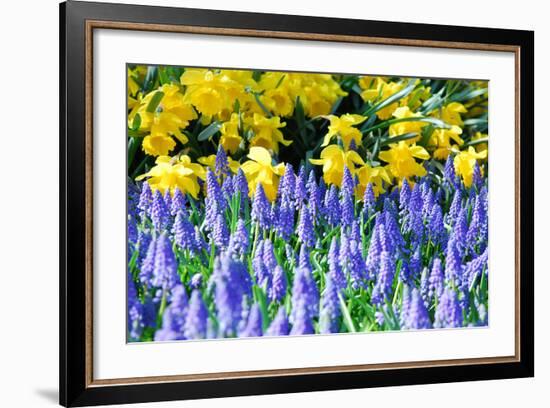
column 383, row 129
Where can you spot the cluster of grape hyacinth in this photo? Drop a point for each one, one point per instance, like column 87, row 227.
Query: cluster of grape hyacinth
column 318, row 259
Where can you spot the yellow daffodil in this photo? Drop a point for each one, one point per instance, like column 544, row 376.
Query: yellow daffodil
column 480, row 146
column 402, row 128
column 333, row 159
column 320, row 95
column 169, row 173
column 377, row 89
column 278, row 101
column 343, row 126
column 210, row 162
column 450, row 114
column 374, row 175
column 259, row 169
column 171, row 116
column 230, row 138
column 133, row 86
column 401, row 160
column 465, row 162
column 440, row 141
column 209, row 91
column 266, row 132
column 316, row 92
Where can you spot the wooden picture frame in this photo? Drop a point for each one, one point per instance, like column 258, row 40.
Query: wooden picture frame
column 78, row 20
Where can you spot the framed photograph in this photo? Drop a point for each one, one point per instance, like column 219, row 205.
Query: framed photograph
column 256, row 204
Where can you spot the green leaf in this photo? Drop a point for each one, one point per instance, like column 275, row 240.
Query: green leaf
column 261, row 105
column 163, row 76
column 155, row 101
column 209, row 131
column 150, row 79
column 399, row 138
column 280, row 81
column 426, row 134
column 467, row 94
column 299, row 113
column 391, row 99
column 346, row 314
column 136, row 123
column 476, row 142
column 437, row 123
column 476, row 122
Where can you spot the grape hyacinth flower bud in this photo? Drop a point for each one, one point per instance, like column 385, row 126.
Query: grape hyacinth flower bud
column 330, row 308
column 332, row 206
column 197, row 315
column 456, row 207
column 142, row 244
column 355, row 234
column 261, row 209
column 436, row 228
column 160, row 215
column 436, row 280
column 477, row 178
column 165, row 274
column 279, row 326
column 348, row 184
column 357, row 271
column 179, row 202
column 303, row 258
column 135, row 312
column 287, row 186
column 453, row 263
column 313, row 197
column 230, row 286
column 220, row 234
column 474, row 269
column 369, row 201
column 415, row 263
column 285, row 220
column 305, row 230
column 240, row 185
column 214, row 202
column 227, row 189
column 145, row 200
column 404, row 197
column 278, row 287
column 344, row 254
column 184, row 233
column 300, row 192
column 321, row 191
column 334, row 269
column 417, row 316
column 302, row 321
column 347, row 207
column 384, row 283
column 132, row 231
column 148, row 263
column 304, row 289
column 221, row 165
column 428, row 203
column 449, row 173
column 168, row 200
column 239, row 240
column 260, row 270
column 373, row 254
column 253, row 326
column 448, row 312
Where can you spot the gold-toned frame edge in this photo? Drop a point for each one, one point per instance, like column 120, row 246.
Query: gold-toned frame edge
column 103, row 24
